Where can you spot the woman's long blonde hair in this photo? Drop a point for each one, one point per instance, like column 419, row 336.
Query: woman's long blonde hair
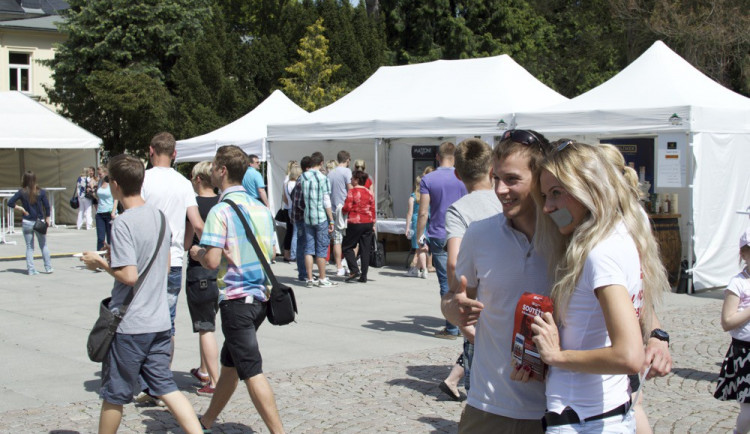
column 587, row 173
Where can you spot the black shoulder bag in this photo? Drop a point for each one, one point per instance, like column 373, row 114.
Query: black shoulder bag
column 282, row 306
column 100, row 338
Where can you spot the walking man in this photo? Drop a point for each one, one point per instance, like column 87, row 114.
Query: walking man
column 224, row 245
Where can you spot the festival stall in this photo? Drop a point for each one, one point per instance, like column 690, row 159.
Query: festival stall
column 397, row 117
column 247, row 132
column 688, row 137
column 32, row 137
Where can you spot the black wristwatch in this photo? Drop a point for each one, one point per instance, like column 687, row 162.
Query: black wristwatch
column 660, row 334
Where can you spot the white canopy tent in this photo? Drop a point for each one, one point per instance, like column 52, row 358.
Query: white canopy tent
column 247, row 132
column 399, row 106
column 32, row 137
column 661, row 95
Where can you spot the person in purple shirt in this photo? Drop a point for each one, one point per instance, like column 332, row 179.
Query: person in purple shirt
column 438, row 190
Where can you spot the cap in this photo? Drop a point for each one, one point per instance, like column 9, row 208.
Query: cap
column 745, row 238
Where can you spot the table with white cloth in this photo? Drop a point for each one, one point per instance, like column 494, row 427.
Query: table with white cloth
column 391, row 226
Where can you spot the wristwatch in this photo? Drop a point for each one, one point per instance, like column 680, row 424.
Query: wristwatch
column 660, row 334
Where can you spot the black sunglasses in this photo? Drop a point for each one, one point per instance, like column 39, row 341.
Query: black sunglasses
column 524, row 137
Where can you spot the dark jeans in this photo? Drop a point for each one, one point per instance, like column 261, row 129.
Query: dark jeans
column 301, row 268
column 103, row 229
column 288, row 235
column 358, row 233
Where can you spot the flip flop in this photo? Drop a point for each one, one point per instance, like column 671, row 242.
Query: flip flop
column 447, row 390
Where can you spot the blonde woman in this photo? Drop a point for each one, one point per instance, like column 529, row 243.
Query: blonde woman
column 419, row 264
column 608, row 277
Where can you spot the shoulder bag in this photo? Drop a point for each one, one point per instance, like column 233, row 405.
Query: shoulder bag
column 282, row 305
column 40, row 225
column 100, row 338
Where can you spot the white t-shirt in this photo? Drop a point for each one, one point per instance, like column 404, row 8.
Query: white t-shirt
column 740, row 286
column 172, row 193
column 501, row 263
column 614, row 261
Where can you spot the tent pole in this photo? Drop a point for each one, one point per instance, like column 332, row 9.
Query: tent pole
column 690, row 223
column 377, row 143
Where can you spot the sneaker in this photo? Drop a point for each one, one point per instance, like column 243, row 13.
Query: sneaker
column 49, row 270
column 341, row 272
column 443, row 334
column 413, row 272
column 326, row 283
column 423, row 273
column 200, row 376
column 206, row 390
column 33, row 272
column 310, row 283
column 148, row 399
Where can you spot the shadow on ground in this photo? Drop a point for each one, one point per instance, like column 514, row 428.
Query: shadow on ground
column 421, row 325
column 694, row 374
column 424, row 379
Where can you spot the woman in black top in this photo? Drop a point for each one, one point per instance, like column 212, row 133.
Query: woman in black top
column 34, row 206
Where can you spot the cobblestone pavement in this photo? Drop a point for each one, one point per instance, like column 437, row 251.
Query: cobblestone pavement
column 399, row 394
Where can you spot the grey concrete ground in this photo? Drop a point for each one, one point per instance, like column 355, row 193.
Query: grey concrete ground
column 361, row 358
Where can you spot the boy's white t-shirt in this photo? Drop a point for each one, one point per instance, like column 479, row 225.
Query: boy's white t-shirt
column 614, row 261
column 740, row 286
column 172, row 193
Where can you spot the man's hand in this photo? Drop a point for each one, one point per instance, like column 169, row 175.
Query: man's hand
column 330, row 228
column 458, row 308
column 195, row 252
column 657, row 355
column 93, row 261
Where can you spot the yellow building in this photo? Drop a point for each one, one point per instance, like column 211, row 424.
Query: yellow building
column 23, row 43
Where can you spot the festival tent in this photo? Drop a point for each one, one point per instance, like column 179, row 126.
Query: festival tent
column 247, row 132
column 33, row 137
column 661, row 95
column 400, row 106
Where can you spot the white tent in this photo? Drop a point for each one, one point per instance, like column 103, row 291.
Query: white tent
column 661, row 95
column 32, row 137
column 399, row 106
column 247, row 132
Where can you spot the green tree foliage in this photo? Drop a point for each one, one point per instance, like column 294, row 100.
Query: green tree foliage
column 137, row 42
column 309, row 82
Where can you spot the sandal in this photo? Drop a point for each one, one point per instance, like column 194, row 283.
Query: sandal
column 203, row 378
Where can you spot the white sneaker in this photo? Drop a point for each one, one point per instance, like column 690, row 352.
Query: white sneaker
column 423, row 273
column 413, row 272
column 341, row 272
column 311, row 283
column 326, row 283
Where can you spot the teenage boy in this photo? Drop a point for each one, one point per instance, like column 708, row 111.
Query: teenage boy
column 316, row 192
column 297, row 214
column 142, row 343
column 242, row 280
column 341, row 182
column 438, row 190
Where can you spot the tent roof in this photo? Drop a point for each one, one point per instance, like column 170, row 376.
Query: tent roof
column 440, row 98
column 24, row 123
column 248, row 132
column 643, row 96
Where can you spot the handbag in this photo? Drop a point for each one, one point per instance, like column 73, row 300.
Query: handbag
column 74, row 201
column 40, row 226
column 377, row 254
column 282, row 216
column 101, row 335
column 282, row 305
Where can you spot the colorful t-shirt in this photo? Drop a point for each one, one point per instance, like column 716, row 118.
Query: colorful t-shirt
column 315, row 186
column 240, row 272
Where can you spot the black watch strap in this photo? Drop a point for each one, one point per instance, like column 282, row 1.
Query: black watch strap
column 660, row 334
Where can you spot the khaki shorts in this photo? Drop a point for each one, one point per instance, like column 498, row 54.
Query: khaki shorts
column 338, row 236
column 476, row 421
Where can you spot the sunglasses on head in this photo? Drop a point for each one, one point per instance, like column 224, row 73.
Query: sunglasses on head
column 524, row 137
column 563, row 144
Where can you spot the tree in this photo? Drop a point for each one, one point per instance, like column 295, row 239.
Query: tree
column 309, row 81
column 111, row 40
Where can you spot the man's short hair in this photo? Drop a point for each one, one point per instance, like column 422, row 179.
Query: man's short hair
column 304, row 163
column 361, row 177
column 316, row 159
column 473, row 160
column 163, row 143
column 251, row 158
column 535, row 151
column 446, row 149
column 234, row 159
column 343, row 156
column 128, row 172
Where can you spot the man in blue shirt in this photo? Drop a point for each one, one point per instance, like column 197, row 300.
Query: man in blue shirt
column 253, row 180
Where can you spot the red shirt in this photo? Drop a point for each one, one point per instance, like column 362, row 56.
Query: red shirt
column 360, row 205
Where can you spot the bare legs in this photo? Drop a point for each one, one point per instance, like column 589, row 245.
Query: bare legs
column 209, row 351
column 178, row 404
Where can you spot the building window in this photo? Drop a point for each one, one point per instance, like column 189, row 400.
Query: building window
column 20, row 71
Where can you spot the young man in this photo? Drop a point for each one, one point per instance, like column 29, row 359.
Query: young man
column 473, row 163
column 142, row 343
column 438, row 190
column 341, row 182
column 297, row 215
column 224, row 245
column 253, row 182
column 316, row 192
column 170, row 192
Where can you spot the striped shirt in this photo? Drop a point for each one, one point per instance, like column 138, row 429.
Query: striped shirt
column 314, row 187
column 240, row 272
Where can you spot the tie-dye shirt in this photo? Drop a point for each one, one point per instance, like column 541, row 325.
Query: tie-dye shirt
column 240, row 272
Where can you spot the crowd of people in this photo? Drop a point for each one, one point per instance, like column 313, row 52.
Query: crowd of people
column 561, row 220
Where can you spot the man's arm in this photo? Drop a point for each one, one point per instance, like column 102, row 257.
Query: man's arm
column 454, row 244
column 424, row 212
column 127, row 274
column 194, row 217
column 209, row 257
column 459, row 305
column 263, row 196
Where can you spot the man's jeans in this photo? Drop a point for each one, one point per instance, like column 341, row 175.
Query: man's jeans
column 174, row 284
column 440, row 262
column 301, row 268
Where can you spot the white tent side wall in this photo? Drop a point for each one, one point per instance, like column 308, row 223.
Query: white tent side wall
column 721, row 187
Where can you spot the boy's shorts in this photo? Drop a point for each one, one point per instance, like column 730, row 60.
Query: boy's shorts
column 145, row 354
column 239, row 322
column 202, row 298
column 317, row 240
